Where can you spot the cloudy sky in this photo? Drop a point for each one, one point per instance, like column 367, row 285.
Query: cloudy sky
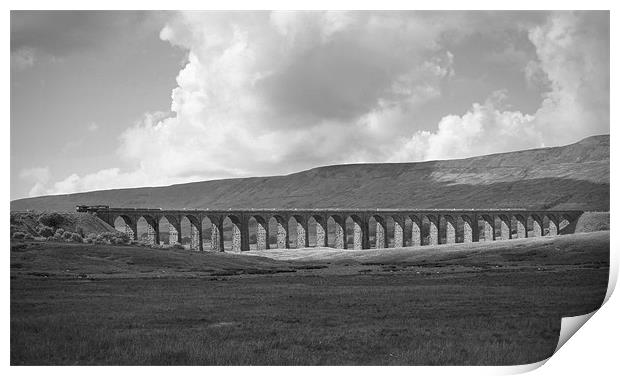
column 105, row 100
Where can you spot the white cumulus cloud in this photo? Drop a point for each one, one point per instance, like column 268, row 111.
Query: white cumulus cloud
column 276, row 92
column 39, row 177
column 484, row 129
column 573, row 59
column 266, row 93
column 23, row 58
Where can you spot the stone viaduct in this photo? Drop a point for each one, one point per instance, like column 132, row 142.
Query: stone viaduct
column 424, row 226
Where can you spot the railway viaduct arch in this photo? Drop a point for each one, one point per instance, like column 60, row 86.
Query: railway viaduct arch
column 276, row 228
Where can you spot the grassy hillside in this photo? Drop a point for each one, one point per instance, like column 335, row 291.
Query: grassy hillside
column 592, row 221
column 569, row 177
column 82, row 223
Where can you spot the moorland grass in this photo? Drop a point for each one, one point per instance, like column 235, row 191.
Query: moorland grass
column 380, row 313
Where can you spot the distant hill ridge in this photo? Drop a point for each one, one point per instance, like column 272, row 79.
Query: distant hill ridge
column 575, row 176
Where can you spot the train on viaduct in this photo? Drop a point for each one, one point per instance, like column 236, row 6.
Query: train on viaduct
column 472, row 225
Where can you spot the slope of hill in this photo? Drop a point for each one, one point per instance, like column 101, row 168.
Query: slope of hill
column 82, row 223
column 569, row 177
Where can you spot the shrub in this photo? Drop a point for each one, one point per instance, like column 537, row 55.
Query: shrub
column 113, row 239
column 116, row 240
column 44, row 230
column 51, row 219
column 67, row 235
column 18, row 235
column 124, row 237
column 58, row 234
column 90, row 238
column 75, row 237
column 102, row 239
column 109, row 238
column 29, row 237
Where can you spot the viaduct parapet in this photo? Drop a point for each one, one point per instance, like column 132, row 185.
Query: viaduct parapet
column 338, row 228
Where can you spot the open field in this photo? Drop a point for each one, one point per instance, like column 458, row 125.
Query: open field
column 494, row 303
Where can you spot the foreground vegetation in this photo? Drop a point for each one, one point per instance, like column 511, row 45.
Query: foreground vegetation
column 488, row 304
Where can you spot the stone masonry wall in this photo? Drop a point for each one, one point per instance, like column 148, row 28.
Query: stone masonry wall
column 380, row 236
column 357, row 236
column 261, row 236
column 398, row 234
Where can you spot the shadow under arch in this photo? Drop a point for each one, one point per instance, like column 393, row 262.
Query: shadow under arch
column 298, row 235
column 125, row 224
column 317, row 231
column 231, row 234
column 258, row 233
column 354, row 231
column 278, row 232
column 336, row 232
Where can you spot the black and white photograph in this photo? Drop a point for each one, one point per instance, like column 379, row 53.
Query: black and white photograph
column 306, row 187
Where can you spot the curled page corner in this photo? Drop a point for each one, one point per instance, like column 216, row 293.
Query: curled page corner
column 570, row 325
column 524, row 368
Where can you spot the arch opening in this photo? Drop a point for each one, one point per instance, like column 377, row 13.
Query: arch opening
column 390, row 229
column 298, row 235
column 190, row 233
column 145, row 227
column 317, row 232
column 430, row 230
column 209, row 229
column 415, row 231
column 566, row 224
column 468, row 228
column 504, row 225
column 232, row 234
column 257, row 232
column 335, row 233
column 447, row 229
column 169, row 230
column 377, row 232
column 486, row 228
column 354, row 232
column 396, row 227
column 550, row 225
column 165, row 232
column 536, row 225
column 124, row 224
column 519, row 226
column 278, row 233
